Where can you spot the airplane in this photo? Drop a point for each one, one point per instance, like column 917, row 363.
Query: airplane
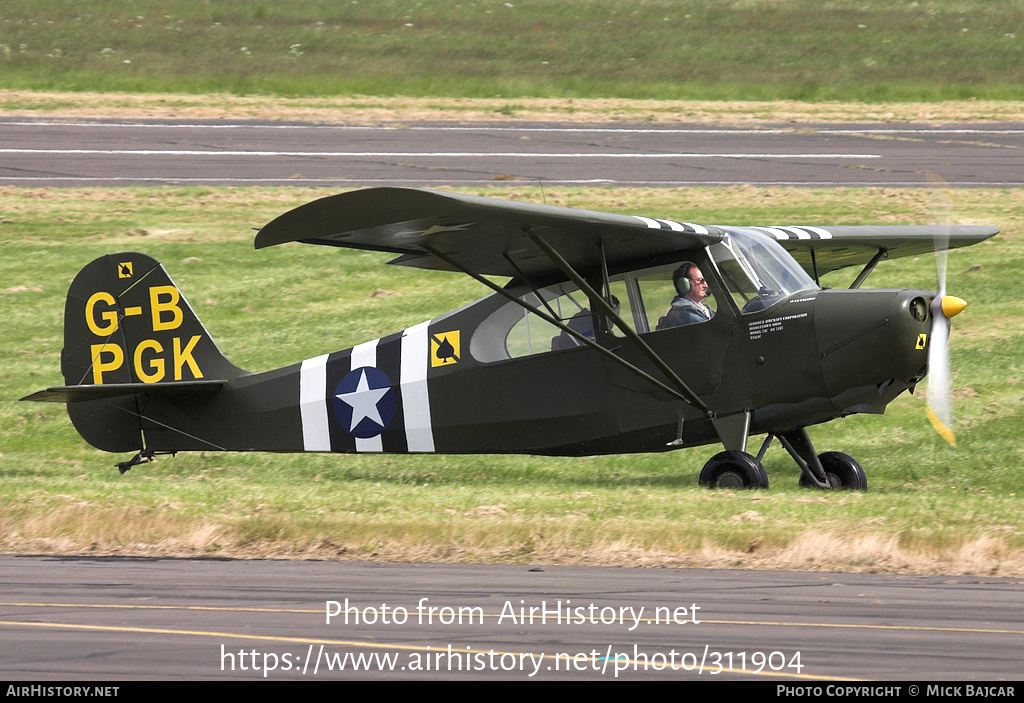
column 579, row 353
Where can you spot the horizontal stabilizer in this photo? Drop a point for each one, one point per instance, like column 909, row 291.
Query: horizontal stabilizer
column 74, row 394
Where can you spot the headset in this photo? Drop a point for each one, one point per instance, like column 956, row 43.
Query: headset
column 681, row 277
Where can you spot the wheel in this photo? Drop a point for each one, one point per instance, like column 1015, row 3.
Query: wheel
column 733, row 469
column 843, row 472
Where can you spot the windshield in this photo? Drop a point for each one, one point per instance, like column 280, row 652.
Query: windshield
column 757, row 270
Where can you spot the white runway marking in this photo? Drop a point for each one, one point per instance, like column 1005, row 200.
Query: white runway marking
column 435, row 154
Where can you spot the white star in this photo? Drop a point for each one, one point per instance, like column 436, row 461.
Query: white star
column 433, row 229
column 363, row 401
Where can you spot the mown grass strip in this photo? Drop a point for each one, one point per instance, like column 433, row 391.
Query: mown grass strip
column 364, row 109
column 869, row 51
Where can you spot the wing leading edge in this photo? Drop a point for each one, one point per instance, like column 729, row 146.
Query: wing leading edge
column 485, row 235
column 840, row 246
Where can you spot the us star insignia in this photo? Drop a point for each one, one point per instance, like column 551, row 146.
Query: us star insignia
column 364, row 402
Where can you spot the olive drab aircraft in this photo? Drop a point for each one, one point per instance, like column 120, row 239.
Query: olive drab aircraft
column 614, row 334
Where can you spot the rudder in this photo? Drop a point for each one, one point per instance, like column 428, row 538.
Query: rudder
column 126, row 322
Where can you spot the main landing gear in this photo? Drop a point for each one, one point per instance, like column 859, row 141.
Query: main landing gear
column 841, row 470
column 733, row 469
column 827, row 471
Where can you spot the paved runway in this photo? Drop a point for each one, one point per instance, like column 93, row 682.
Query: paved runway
column 94, row 153
column 82, row 618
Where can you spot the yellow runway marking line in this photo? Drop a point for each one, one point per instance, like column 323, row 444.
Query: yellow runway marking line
column 130, row 606
column 373, row 645
column 306, row 611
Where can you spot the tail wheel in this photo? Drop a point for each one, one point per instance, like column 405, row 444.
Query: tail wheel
column 843, row 472
column 733, row 469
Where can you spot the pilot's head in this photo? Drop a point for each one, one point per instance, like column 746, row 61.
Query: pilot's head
column 689, row 282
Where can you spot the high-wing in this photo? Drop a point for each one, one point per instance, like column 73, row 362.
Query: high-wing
column 487, row 235
column 481, row 234
column 840, row 246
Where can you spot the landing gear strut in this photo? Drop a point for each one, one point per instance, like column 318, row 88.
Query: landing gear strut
column 828, row 471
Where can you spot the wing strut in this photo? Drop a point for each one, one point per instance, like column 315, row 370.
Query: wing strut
column 869, row 267
column 557, row 259
column 533, row 288
column 561, row 326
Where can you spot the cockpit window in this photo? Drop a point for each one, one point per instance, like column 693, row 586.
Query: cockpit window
column 650, row 295
column 757, row 270
column 531, row 334
column 642, row 299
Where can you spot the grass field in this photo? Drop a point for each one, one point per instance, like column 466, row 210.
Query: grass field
column 870, row 50
column 930, row 507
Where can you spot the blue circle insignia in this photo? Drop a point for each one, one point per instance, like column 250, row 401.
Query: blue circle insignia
column 364, row 402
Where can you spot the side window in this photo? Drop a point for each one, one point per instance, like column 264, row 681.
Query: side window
column 649, row 302
column 665, row 308
column 646, row 300
column 533, row 335
column 627, row 303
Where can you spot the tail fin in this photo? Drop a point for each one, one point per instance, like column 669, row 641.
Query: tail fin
column 129, row 331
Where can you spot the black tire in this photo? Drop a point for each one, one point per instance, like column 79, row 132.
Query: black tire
column 843, row 472
column 733, row 469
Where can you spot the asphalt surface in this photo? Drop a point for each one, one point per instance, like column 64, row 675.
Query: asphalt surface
column 94, row 153
column 82, row 618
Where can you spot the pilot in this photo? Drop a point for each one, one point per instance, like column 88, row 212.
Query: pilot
column 688, row 306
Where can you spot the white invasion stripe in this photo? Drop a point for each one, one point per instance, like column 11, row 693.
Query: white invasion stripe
column 672, row 225
column 436, row 154
column 419, row 431
column 365, row 354
column 795, row 232
column 316, row 436
column 776, row 232
column 823, row 233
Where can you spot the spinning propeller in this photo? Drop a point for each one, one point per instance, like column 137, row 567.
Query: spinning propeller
column 943, row 308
